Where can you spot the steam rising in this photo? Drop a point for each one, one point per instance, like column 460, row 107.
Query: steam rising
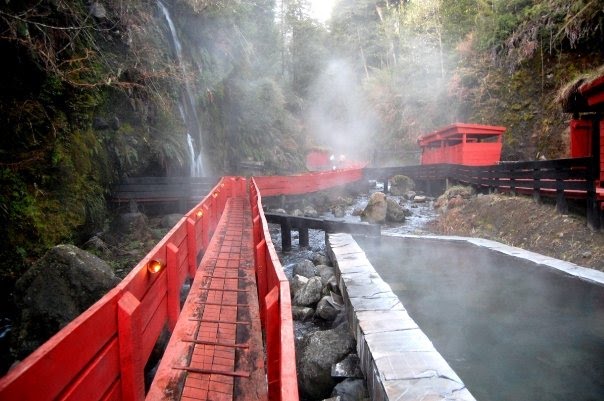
column 339, row 117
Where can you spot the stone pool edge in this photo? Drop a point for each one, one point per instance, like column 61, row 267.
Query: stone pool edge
column 585, row 273
column 397, row 358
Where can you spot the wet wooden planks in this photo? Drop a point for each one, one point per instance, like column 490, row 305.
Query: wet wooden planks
column 216, row 351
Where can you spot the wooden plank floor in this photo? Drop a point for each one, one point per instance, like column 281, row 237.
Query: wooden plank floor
column 216, row 351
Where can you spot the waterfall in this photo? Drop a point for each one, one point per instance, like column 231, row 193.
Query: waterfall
column 188, row 111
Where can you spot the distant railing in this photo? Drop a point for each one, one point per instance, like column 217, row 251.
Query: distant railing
column 275, row 308
column 308, row 182
column 574, row 178
column 101, row 355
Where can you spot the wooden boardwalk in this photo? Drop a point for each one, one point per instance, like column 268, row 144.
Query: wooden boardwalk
column 216, row 351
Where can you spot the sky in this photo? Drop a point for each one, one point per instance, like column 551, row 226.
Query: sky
column 321, row 9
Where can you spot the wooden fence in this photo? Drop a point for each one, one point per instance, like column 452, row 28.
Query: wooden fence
column 563, row 179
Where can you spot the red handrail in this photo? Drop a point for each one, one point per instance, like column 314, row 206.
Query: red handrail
column 275, row 307
column 102, row 353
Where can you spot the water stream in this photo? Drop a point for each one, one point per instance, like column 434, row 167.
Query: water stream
column 187, row 106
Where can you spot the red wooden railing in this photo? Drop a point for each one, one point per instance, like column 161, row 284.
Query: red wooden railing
column 101, row 354
column 275, row 306
column 307, row 183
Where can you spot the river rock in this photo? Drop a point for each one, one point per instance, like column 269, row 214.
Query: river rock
column 326, row 272
column 97, row 246
column 420, row 199
column 55, row 290
column 339, row 211
column 310, row 211
column 297, row 282
column 302, row 313
column 328, row 308
column 349, row 367
column 400, row 185
column 351, row 390
column 375, row 211
column 309, row 294
column 394, row 212
column 306, row 268
column 409, row 195
column 320, row 259
column 316, row 353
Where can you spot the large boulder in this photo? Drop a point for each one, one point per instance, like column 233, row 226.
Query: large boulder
column 375, row 211
column 329, row 307
column 400, row 185
column 309, row 294
column 55, row 290
column 326, row 273
column 394, row 212
column 316, row 353
column 305, row 268
column 320, row 259
column 351, row 390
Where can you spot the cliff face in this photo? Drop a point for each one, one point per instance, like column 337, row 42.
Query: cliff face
column 97, row 90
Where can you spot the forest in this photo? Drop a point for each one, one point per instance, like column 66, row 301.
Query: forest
column 95, row 91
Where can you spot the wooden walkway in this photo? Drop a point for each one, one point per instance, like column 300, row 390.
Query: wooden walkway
column 216, row 351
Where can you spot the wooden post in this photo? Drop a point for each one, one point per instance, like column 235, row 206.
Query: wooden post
column 286, row 236
column 261, row 276
column 173, row 293
column 193, row 246
column 129, row 337
column 273, row 343
column 536, row 185
column 385, row 185
column 561, row 203
column 594, row 212
column 303, row 237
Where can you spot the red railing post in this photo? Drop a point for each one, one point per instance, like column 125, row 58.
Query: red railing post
column 131, row 360
column 192, row 244
column 173, row 295
column 273, row 344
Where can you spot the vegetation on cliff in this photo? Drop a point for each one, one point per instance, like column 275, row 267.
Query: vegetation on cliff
column 97, row 90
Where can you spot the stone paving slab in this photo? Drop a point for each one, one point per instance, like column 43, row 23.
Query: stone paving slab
column 397, row 358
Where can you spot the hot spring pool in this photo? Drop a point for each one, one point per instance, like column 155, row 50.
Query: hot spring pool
column 512, row 329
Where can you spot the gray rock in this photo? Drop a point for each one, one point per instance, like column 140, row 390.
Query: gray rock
column 420, row 199
column 170, row 220
column 280, row 211
column 316, row 353
column 320, row 259
column 394, row 212
column 97, row 246
column 339, row 211
column 302, row 313
column 410, row 195
column 375, row 211
column 310, row 211
column 55, row 290
column 349, row 367
column 332, row 285
column 328, row 308
column 326, row 273
column 99, row 123
column 296, row 283
column 309, row 294
column 351, row 390
column 400, row 185
column 297, row 213
column 306, row 268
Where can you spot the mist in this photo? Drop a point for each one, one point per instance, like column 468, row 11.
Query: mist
column 340, row 117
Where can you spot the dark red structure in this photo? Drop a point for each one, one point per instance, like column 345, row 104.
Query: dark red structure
column 318, row 159
column 465, row 144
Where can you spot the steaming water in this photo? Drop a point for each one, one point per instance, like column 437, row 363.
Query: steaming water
column 187, row 108
column 511, row 329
